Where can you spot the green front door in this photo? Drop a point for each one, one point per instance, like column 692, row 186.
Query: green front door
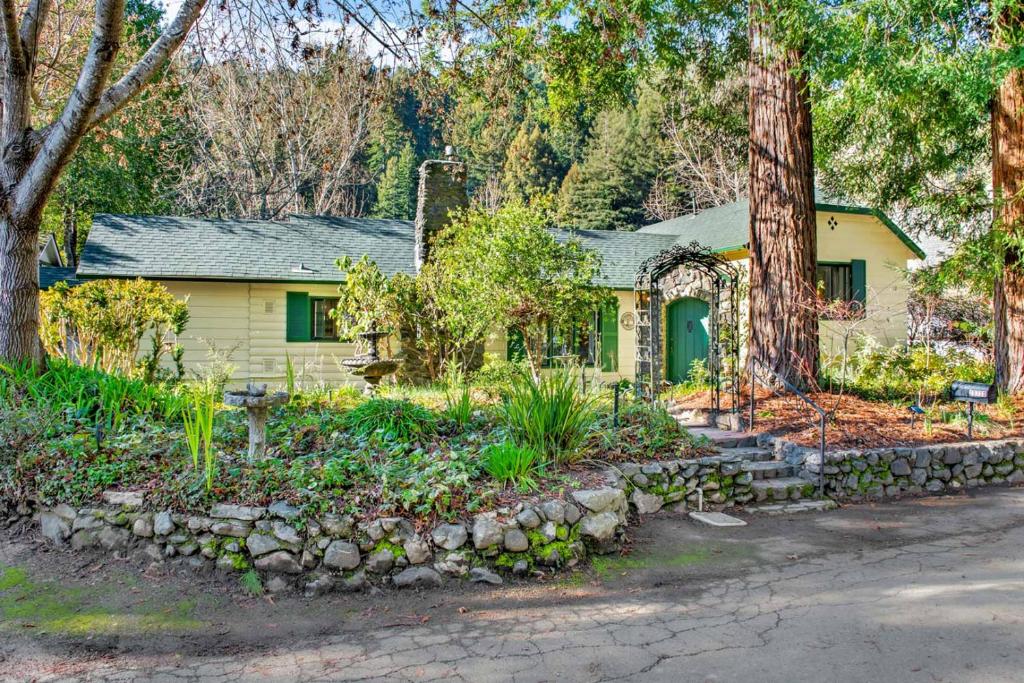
column 687, row 339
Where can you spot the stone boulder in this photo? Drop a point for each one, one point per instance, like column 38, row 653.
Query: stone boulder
column 279, row 562
column 646, row 503
column 600, row 527
column 417, row 577
column 341, row 555
column 486, row 531
column 600, row 500
column 449, row 536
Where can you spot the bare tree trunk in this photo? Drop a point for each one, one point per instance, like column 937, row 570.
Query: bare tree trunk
column 783, row 333
column 32, row 158
column 1008, row 185
column 19, row 290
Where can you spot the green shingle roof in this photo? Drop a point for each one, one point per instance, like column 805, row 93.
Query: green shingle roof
column 303, row 249
column 719, row 229
column 726, row 227
column 51, row 275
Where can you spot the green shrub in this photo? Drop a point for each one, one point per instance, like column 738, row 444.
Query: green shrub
column 391, row 419
column 86, row 394
column 496, row 375
column 904, row 373
column 512, row 465
column 551, row 416
column 644, row 430
column 101, row 324
column 459, row 405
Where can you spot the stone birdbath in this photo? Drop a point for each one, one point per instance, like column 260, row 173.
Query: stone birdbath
column 257, row 404
column 370, row 366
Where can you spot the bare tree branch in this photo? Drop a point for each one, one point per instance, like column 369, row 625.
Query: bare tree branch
column 63, row 136
column 140, row 74
column 32, row 23
column 11, row 41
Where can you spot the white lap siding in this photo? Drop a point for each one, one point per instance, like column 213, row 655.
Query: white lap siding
column 314, row 362
column 218, row 319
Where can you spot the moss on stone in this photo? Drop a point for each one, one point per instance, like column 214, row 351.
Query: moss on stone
column 507, row 560
column 238, row 560
column 396, row 550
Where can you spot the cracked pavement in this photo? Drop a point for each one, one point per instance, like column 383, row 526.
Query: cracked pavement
column 919, row 590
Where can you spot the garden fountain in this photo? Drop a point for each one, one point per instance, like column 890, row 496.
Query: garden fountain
column 370, row 366
column 257, row 403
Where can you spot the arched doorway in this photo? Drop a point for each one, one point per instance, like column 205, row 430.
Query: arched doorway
column 686, row 340
column 709, row 296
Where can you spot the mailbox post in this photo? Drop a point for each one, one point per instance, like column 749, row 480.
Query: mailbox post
column 971, row 393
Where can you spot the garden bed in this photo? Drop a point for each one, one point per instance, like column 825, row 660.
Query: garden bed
column 860, row 423
column 430, row 455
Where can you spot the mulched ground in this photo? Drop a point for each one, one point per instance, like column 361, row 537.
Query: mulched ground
column 858, row 423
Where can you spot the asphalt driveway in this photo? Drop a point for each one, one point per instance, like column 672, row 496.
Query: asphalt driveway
column 919, row 590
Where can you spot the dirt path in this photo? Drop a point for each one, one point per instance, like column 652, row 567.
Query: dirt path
column 925, row 590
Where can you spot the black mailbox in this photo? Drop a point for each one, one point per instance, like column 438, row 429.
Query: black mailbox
column 973, row 392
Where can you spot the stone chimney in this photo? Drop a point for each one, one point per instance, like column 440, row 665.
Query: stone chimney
column 442, row 190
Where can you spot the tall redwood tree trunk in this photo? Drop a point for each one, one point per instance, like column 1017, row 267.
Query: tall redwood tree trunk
column 1008, row 185
column 783, row 232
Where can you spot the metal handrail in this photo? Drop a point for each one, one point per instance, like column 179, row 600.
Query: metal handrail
column 822, row 414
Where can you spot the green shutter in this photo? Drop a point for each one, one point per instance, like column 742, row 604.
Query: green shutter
column 299, row 325
column 859, row 276
column 610, row 337
column 515, row 347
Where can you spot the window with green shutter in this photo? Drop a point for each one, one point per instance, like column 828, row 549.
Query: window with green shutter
column 845, row 283
column 515, row 347
column 609, row 326
column 299, row 325
column 859, row 277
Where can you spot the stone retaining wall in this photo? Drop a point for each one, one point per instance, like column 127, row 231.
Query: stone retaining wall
column 888, row 472
column 336, row 552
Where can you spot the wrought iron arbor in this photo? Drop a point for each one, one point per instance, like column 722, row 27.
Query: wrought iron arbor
column 720, row 277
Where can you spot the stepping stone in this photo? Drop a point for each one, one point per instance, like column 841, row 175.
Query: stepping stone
column 792, row 508
column 717, row 519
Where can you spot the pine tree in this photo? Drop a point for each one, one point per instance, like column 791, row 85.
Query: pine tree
column 531, row 166
column 607, row 190
column 396, row 190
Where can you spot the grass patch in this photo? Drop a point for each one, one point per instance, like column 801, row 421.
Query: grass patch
column 72, row 610
column 606, row 566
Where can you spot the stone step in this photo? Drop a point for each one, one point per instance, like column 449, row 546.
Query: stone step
column 782, row 488
column 750, row 453
column 769, row 469
column 723, row 438
column 791, row 508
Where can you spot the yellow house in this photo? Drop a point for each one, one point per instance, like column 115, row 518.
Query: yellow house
column 259, row 291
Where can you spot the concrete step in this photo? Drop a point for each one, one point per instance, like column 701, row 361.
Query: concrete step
column 781, row 488
column 769, row 469
column 723, row 438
